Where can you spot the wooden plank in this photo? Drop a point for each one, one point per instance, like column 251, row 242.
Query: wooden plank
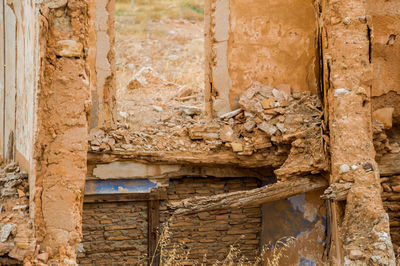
column 99, row 198
column 10, row 78
column 153, row 224
column 268, row 159
column 249, row 198
column 2, row 91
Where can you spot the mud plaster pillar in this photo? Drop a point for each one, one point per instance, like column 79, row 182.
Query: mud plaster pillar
column 363, row 235
column 60, row 148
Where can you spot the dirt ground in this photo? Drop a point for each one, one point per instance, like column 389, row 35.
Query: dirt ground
column 160, row 62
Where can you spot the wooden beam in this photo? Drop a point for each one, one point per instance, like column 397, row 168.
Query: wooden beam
column 250, row 198
column 337, row 191
column 2, row 74
column 126, row 197
column 228, row 158
column 10, row 81
column 153, row 208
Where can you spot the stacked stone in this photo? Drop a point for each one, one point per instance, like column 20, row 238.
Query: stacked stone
column 208, row 236
column 391, row 198
column 114, row 233
column 17, row 243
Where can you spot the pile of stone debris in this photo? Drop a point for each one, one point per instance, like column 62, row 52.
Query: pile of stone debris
column 268, row 118
column 17, row 243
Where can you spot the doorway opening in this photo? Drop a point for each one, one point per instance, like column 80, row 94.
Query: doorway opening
column 159, row 46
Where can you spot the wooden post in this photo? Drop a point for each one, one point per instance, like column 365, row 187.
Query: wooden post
column 153, row 208
column 2, row 90
column 133, row 4
column 10, row 81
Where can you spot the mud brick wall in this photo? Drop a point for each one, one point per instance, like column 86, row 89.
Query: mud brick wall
column 114, row 233
column 207, row 236
column 391, row 203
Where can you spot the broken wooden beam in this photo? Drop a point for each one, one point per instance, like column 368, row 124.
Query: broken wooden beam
column 337, row 191
column 250, row 198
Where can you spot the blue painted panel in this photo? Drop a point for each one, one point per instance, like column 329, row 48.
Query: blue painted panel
column 93, row 187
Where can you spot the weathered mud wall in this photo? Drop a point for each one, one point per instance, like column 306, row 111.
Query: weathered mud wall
column 19, row 80
column 261, row 44
column 363, row 234
column 60, row 149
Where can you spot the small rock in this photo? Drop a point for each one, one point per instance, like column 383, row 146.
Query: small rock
column 346, row 21
column 268, row 103
column 344, row 168
column 157, row 108
column 20, row 193
column 20, row 207
column 190, row 110
column 249, row 125
column 267, row 128
column 95, row 148
column 43, row 257
column 248, row 115
column 281, row 127
column 368, row 167
column 5, row 232
column 258, row 120
column 103, row 146
column 226, row 134
column 95, row 142
column 230, row 114
column 340, row 92
column 237, row 147
column 280, row 95
column 69, row 48
column 356, row 254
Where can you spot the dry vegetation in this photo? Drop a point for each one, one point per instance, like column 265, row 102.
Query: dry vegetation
column 177, row 255
column 165, row 38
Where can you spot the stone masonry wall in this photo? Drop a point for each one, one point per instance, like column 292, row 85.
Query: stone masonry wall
column 391, row 197
column 117, row 233
column 207, row 236
column 114, row 233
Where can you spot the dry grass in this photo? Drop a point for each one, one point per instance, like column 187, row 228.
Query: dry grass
column 178, row 255
column 148, row 12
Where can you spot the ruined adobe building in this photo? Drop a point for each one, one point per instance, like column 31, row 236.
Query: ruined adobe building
column 317, row 87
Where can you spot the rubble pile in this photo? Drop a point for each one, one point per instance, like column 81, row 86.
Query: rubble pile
column 16, row 230
column 268, row 119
